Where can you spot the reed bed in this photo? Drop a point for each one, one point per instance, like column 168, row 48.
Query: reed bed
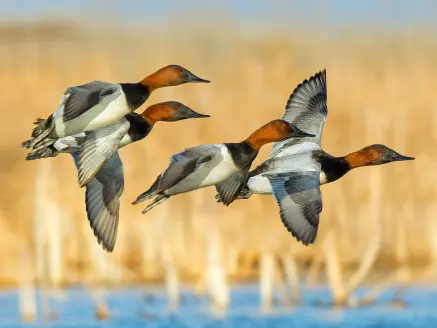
column 380, row 90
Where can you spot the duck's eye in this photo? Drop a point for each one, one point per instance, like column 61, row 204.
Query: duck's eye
column 179, row 70
column 381, row 150
column 285, row 125
column 177, row 106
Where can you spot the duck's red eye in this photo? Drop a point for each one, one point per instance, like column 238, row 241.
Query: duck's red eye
column 285, row 124
column 178, row 69
column 177, row 106
column 381, row 150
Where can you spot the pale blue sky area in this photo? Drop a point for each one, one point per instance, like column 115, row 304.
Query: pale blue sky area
column 253, row 14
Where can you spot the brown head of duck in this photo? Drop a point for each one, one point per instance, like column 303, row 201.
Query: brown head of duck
column 170, row 75
column 169, row 111
column 277, row 130
column 374, row 155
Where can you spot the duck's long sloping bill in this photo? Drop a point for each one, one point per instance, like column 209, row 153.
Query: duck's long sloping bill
column 300, row 201
column 79, row 99
column 102, row 199
column 307, row 109
column 97, row 147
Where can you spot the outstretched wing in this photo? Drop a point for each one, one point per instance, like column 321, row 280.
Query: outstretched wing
column 79, row 99
column 307, row 109
column 300, row 201
column 97, row 147
column 102, row 199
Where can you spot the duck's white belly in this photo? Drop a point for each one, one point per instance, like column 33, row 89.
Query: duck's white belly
column 323, row 178
column 261, row 185
column 98, row 116
column 208, row 174
column 126, row 140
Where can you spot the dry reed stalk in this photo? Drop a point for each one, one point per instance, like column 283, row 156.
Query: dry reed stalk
column 266, row 281
column 292, row 276
column 333, row 271
column 216, row 282
column 27, row 296
column 172, row 283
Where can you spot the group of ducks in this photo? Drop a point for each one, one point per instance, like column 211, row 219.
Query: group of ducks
column 94, row 120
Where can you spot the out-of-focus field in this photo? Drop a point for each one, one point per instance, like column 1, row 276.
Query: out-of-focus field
column 380, row 90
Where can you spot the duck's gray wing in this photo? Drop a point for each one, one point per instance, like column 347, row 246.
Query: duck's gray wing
column 79, row 99
column 97, row 147
column 307, row 109
column 102, row 199
column 300, row 201
column 228, row 190
column 185, row 163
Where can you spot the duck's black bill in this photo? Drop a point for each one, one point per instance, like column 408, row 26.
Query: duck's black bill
column 197, row 115
column 197, row 79
column 403, row 158
column 298, row 133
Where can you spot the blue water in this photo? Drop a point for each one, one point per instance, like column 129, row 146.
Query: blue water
column 146, row 307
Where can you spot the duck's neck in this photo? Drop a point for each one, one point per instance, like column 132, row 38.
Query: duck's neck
column 242, row 154
column 139, row 129
column 333, row 168
column 136, row 94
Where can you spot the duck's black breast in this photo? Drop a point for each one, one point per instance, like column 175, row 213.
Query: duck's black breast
column 139, row 128
column 136, row 94
column 333, row 167
column 242, row 154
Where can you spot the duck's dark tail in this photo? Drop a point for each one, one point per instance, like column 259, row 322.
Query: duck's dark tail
column 158, row 200
column 149, row 193
column 43, row 152
column 42, row 130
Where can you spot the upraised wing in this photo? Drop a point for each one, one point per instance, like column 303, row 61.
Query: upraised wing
column 307, row 109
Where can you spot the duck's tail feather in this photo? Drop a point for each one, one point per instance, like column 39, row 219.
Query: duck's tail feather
column 42, row 153
column 42, row 130
column 158, row 200
column 41, row 125
column 27, row 144
column 149, row 193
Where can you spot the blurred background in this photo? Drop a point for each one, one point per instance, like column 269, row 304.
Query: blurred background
column 378, row 224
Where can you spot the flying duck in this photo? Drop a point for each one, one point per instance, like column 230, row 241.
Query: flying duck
column 98, row 104
column 224, row 165
column 297, row 167
column 106, row 184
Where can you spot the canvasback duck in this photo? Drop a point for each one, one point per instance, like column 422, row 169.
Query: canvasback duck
column 98, row 104
column 103, row 192
column 298, row 167
column 224, row 165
